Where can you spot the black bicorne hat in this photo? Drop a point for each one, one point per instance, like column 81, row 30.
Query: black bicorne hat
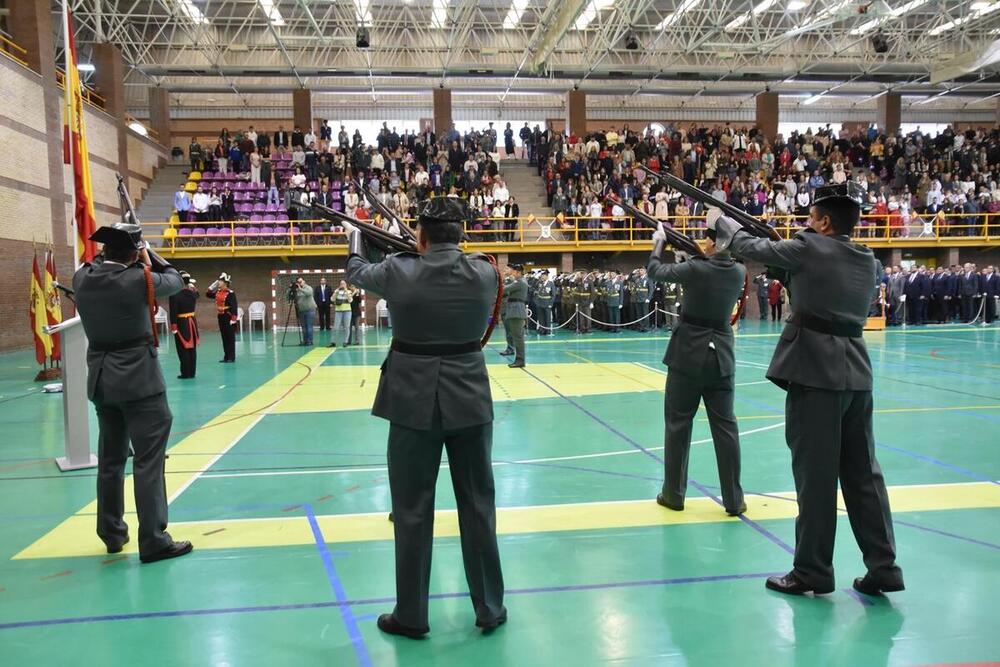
column 120, row 235
column 445, row 209
column 849, row 191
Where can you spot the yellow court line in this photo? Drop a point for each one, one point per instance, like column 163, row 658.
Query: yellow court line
column 77, row 537
column 656, row 387
column 207, row 444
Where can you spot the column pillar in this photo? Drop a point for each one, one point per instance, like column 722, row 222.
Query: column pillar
column 576, row 112
column 109, row 77
column 950, row 257
column 442, row 111
column 30, row 25
column 888, row 113
column 895, row 256
column 566, row 262
column 302, row 113
column 159, row 114
column 767, row 114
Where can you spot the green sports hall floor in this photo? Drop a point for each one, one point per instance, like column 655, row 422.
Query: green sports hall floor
column 277, row 475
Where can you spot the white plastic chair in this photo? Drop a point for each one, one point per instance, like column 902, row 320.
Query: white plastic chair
column 257, row 312
column 239, row 318
column 162, row 319
column 381, row 310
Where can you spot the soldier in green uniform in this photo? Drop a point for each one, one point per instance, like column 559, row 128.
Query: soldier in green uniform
column 507, row 281
column 821, row 361
column 126, row 385
column 515, row 312
column 435, row 391
column 613, row 290
column 702, row 365
column 640, row 300
column 544, row 296
column 671, row 301
column 584, row 295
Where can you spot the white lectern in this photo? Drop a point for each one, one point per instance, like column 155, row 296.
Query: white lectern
column 75, row 403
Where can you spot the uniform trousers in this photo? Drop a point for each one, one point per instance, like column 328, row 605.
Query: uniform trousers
column 514, row 326
column 684, row 393
column 228, row 332
column 146, row 424
column 414, row 463
column 830, row 436
column 544, row 320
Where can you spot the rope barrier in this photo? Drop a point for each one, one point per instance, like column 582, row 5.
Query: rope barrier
column 656, row 309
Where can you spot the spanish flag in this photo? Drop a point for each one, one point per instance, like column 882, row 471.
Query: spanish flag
column 53, row 308
column 37, row 313
column 75, row 149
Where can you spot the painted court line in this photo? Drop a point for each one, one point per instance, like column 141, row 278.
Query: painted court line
column 496, row 463
column 350, row 621
column 215, row 459
column 76, row 538
column 569, row 588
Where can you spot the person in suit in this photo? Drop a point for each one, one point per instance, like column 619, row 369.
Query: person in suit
column 298, row 137
column 227, row 312
column 969, row 290
column 184, row 326
column 918, row 292
column 701, row 367
column 435, row 391
column 114, row 298
column 544, row 297
column 939, row 295
column 821, row 361
column 281, row 138
column 515, row 312
column 323, row 294
column 894, row 290
column 990, row 286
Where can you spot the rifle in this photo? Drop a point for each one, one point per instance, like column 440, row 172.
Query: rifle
column 157, row 263
column 674, row 237
column 378, row 237
column 749, row 223
column 384, row 211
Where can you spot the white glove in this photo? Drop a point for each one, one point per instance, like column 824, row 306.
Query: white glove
column 902, row 298
column 659, row 234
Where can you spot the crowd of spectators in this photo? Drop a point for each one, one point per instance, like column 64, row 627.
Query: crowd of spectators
column 918, row 185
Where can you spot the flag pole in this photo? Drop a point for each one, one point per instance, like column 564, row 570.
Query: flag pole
column 76, row 422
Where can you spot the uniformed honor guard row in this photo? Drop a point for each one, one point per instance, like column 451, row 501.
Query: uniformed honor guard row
column 435, row 392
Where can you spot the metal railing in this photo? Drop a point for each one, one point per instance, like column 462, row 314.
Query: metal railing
column 531, row 232
column 89, row 95
column 14, row 51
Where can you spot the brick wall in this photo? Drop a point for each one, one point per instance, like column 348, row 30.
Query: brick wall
column 35, row 203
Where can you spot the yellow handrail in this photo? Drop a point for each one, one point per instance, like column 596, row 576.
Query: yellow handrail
column 13, row 50
column 578, row 232
column 89, row 95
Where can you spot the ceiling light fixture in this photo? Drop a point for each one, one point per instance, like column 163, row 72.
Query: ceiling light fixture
column 759, row 8
column 590, row 13
column 983, row 10
column 676, row 14
column 271, row 12
column 192, row 11
column 517, row 8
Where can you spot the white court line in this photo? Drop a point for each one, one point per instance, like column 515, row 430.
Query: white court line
column 657, row 370
column 754, row 364
column 215, row 459
column 747, row 384
column 496, row 464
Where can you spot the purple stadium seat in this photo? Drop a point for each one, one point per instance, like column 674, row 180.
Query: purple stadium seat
column 255, row 218
column 270, row 218
column 282, row 217
column 271, row 208
column 259, row 208
column 208, row 175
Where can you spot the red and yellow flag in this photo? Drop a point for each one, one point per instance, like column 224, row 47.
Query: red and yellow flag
column 37, row 314
column 53, row 308
column 75, row 150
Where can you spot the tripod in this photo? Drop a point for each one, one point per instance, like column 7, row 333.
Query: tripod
column 288, row 318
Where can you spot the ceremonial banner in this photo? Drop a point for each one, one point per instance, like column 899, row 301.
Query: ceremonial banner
column 75, row 150
column 53, row 308
column 38, row 314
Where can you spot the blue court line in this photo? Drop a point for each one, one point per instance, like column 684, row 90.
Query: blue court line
column 350, row 621
column 750, row 522
column 930, row 459
column 895, row 521
column 597, row 471
column 181, row 613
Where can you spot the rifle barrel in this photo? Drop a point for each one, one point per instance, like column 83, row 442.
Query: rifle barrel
column 376, row 234
column 749, row 223
column 674, row 237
